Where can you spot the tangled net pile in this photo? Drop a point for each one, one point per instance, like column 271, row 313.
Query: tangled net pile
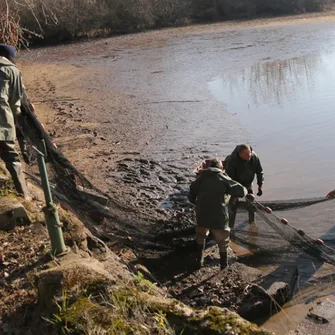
column 71, row 188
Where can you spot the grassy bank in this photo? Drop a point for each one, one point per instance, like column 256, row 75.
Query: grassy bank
column 71, row 19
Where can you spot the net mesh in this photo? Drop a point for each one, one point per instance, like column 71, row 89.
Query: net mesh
column 296, row 237
column 115, row 221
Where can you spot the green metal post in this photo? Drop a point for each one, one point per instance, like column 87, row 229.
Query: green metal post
column 50, row 210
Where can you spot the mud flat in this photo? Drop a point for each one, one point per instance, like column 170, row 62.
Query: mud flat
column 137, row 113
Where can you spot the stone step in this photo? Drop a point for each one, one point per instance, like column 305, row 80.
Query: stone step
column 12, row 213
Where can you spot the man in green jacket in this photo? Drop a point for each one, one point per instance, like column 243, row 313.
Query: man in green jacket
column 210, row 193
column 11, row 91
column 242, row 165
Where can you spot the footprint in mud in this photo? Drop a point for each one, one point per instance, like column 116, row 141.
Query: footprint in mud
column 167, row 179
column 161, row 187
column 210, row 286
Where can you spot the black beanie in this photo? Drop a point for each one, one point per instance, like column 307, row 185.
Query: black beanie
column 7, row 51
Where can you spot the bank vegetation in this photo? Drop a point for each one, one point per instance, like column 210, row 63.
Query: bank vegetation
column 60, row 20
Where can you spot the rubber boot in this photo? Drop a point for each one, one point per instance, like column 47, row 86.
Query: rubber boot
column 199, row 260
column 232, row 218
column 223, row 259
column 15, row 170
column 232, row 209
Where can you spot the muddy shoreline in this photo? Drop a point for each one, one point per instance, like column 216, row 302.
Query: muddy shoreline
column 135, row 120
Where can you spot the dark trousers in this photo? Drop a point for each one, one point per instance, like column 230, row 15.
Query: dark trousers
column 233, row 205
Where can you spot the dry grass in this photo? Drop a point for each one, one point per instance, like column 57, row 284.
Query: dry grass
column 68, row 19
column 110, row 310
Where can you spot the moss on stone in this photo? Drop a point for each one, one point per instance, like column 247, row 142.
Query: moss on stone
column 221, row 323
column 144, row 285
column 128, row 310
column 96, row 288
column 76, row 311
column 84, row 311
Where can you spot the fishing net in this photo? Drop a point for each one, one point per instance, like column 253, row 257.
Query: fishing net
column 108, row 218
column 71, row 188
column 296, row 237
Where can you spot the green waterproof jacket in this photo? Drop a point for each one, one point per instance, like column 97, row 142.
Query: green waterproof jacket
column 244, row 171
column 11, row 92
column 210, row 193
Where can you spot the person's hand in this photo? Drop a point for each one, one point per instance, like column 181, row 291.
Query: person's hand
column 331, row 195
column 260, row 191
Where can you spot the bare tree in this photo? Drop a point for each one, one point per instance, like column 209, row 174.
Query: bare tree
column 11, row 32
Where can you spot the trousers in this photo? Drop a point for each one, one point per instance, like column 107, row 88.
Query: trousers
column 221, row 236
column 233, row 205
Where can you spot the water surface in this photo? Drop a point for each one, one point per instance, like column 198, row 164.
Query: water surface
column 288, row 107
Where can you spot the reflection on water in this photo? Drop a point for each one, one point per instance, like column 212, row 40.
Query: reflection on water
column 272, row 83
column 288, row 109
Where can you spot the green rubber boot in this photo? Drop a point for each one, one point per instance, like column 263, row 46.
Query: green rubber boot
column 223, row 260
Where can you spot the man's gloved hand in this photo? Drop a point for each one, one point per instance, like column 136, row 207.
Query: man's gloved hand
column 331, row 195
column 260, row 191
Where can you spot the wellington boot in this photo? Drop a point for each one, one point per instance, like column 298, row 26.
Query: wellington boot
column 199, row 261
column 15, row 170
column 223, row 260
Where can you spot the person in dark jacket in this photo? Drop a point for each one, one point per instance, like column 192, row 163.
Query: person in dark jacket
column 210, row 193
column 243, row 165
